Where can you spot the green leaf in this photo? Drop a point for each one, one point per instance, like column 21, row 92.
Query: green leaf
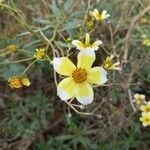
column 11, row 70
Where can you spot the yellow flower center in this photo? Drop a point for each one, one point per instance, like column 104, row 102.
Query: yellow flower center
column 79, row 75
column 87, row 45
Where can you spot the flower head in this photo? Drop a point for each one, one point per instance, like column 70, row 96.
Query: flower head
column 145, row 119
column 25, row 81
column 79, row 78
column 146, row 42
column 99, row 16
column 108, row 64
column 12, row 48
column 18, row 82
column 87, row 45
column 40, row 53
column 139, row 98
column 145, row 108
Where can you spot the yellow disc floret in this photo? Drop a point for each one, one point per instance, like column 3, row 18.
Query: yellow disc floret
column 79, row 75
column 40, row 53
column 15, row 82
column 18, row 82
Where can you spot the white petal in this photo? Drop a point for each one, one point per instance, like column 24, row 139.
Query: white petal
column 96, row 44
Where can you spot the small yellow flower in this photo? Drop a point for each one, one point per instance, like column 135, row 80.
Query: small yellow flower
column 145, row 119
column 146, row 42
column 18, row 82
column 139, row 98
column 26, row 82
column 14, row 82
column 99, row 16
column 87, row 45
column 12, row 48
column 40, row 53
column 145, row 108
column 79, row 79
column 108, row 64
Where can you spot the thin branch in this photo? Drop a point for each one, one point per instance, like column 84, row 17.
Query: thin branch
column 130, row 30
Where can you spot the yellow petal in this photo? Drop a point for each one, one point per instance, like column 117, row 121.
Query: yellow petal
column 86, row 59
column 66, row 88
column 78, row 44
column 97, row 75
column 63, row 66
column 84, row 93
column 87, row 39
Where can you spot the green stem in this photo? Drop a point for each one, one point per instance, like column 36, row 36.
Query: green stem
column 48, row 59
column 28, row 67
column 4, row 54
column 17, row 61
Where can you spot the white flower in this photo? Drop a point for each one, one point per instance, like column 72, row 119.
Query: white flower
column 109, row 65
column 79, row 78
column 99, row 16
column 87, row 45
